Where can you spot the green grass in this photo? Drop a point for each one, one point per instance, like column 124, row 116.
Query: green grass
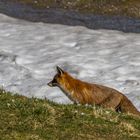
column 130, row 8
column 23, row 118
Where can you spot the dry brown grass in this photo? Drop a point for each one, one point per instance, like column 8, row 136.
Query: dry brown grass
column 129, row 8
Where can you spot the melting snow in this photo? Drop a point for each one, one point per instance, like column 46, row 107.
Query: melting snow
column 30, row 51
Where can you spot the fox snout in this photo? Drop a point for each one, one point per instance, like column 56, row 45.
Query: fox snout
column 50, row 84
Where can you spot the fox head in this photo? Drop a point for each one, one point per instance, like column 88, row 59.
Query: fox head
column 65, row 82
column 58, row 78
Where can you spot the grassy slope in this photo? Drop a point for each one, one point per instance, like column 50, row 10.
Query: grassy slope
column 22, row 118
column 129, row 8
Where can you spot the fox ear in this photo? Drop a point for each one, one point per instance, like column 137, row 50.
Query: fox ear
column 59, row 70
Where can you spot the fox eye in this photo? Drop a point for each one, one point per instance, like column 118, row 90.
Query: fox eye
column 54, row 80
column 57, row 76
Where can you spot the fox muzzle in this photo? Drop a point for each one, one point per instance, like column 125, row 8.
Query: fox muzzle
column 50, row 84
column 53, row 83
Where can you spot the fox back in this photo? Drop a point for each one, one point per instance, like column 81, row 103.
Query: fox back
column 86, row 93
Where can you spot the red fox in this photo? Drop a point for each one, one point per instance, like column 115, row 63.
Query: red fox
column 87, row 93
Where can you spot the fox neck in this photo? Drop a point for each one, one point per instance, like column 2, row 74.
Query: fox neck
column 68, row 86
column 76, row 90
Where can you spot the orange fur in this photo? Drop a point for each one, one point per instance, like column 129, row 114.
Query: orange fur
column 87, row 93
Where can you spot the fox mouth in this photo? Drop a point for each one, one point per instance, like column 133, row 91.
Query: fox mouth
column 50, row 84
column 53, row 83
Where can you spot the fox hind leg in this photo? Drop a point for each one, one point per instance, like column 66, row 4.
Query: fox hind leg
column 118, row 108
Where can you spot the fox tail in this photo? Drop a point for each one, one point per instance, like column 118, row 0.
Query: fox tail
column 126, row 106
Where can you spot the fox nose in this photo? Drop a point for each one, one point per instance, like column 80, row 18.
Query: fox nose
column 50, row 84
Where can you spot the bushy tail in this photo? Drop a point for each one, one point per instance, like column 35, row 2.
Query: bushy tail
column 127, row 107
